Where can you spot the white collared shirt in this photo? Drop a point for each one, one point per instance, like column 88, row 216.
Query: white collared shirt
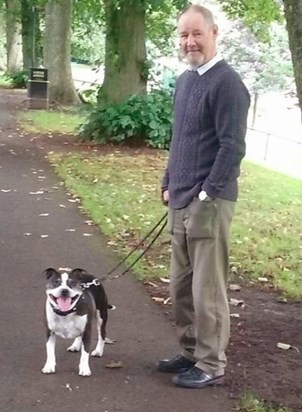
column 205, row 67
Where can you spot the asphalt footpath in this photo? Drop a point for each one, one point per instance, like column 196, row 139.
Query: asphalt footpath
column 42, row 226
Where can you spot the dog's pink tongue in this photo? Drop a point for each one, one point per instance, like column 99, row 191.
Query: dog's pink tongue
column 64, row 304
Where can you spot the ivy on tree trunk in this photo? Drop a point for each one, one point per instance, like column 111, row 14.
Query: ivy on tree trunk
column 57, row 54
column 126, row 68
column 293, row 15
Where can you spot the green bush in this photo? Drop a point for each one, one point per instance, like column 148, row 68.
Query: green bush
column 139, row 119
column 19, row 79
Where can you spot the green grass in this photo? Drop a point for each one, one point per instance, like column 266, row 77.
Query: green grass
column 5, row 81
column 45, row 121
column 122, row 195
column 250, row 403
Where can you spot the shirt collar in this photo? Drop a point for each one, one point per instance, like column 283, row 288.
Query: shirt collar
column 205, row 67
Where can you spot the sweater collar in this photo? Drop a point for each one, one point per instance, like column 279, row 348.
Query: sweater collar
column 205, row 67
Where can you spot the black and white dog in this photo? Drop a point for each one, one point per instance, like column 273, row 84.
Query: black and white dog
column 74, row 301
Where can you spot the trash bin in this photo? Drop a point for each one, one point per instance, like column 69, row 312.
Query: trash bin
column 37, row 88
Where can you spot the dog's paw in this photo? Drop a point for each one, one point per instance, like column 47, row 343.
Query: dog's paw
column 73, row 348
column 76, row 345
column 84, row 370
column 49, row 368
column 97, row 352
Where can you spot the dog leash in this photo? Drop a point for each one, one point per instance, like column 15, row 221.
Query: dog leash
column 162, row 222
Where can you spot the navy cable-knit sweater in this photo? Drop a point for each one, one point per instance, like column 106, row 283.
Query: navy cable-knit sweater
column 208, row 139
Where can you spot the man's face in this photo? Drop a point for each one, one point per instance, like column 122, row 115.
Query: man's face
column 197, row 38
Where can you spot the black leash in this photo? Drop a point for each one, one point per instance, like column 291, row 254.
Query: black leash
column 162, row 222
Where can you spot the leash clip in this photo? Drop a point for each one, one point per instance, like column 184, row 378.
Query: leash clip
column 94, row 282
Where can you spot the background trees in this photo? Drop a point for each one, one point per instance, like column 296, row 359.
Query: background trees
column 125, row 35
column 259, row 14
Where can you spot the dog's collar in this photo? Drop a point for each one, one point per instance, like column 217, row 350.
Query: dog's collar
column 61, row 313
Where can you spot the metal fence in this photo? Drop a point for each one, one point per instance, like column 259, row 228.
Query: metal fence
column 278, row 152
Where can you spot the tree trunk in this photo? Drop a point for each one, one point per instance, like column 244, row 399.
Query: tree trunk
column 293, row 15
column 3, row 59
column 256, row 96
column 57, row 55
column 31, row 35
column 125, row 59
column 13, row 37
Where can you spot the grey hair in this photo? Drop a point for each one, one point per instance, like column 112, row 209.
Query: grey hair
column 207, row 14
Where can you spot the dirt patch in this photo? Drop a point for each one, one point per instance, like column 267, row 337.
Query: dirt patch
column 256, row 364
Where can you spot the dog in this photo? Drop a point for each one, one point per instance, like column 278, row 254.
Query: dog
column 75, row 300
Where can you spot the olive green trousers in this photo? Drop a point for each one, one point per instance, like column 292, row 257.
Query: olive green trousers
column 200, row 239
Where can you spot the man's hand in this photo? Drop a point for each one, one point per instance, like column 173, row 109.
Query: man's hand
column 165, row 197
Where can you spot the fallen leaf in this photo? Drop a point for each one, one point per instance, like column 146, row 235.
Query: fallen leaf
column 114, row 365
column 286, row 346
column 236, row 302
column 159, row 300
column 87, row 234
column 154, row 285
column 263, row 280
column 165, row 280
column 234, row 287
column 67, row 386
column 110, row 341
column 167, row 301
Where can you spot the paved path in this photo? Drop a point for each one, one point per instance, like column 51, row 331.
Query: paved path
column 28, row 190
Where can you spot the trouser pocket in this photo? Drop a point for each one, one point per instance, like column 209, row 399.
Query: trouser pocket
column 202, row 220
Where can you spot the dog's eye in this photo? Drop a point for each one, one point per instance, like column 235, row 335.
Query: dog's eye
column 71, row 283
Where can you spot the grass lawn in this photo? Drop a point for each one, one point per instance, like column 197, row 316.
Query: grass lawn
column 47, row 121
column 122, row 195
column 250, row 403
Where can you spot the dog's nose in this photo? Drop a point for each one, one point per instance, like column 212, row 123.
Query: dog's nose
column 64, row 292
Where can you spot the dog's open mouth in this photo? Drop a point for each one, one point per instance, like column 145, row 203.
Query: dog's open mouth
column 64, row 303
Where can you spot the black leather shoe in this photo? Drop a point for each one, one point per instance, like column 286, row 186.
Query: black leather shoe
column 178, row 364
column 197, row 378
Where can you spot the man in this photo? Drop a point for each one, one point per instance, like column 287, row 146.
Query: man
column 200, row 186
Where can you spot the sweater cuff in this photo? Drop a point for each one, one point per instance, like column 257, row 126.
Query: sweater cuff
column 210, row 190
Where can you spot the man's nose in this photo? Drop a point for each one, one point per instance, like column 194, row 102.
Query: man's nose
column 191, row 40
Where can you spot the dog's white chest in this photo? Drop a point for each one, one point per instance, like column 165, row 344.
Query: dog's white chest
column 67, row 327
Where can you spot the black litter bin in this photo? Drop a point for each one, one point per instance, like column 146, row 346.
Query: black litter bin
column 37, row 88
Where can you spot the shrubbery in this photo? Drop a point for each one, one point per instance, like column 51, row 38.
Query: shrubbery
column 139, row 119
column 19, row 79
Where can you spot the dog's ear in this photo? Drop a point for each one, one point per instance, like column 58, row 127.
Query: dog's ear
column 49, row 272
column 78, row 273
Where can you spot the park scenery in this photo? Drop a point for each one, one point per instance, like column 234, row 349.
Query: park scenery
column 90, row 85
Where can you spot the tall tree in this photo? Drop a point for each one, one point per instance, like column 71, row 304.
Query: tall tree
column 57, row 54
column 258, row 14
column 13, row 36
column 126, row 65
column 31, row 34
column 125, row 58
column 293, row 15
